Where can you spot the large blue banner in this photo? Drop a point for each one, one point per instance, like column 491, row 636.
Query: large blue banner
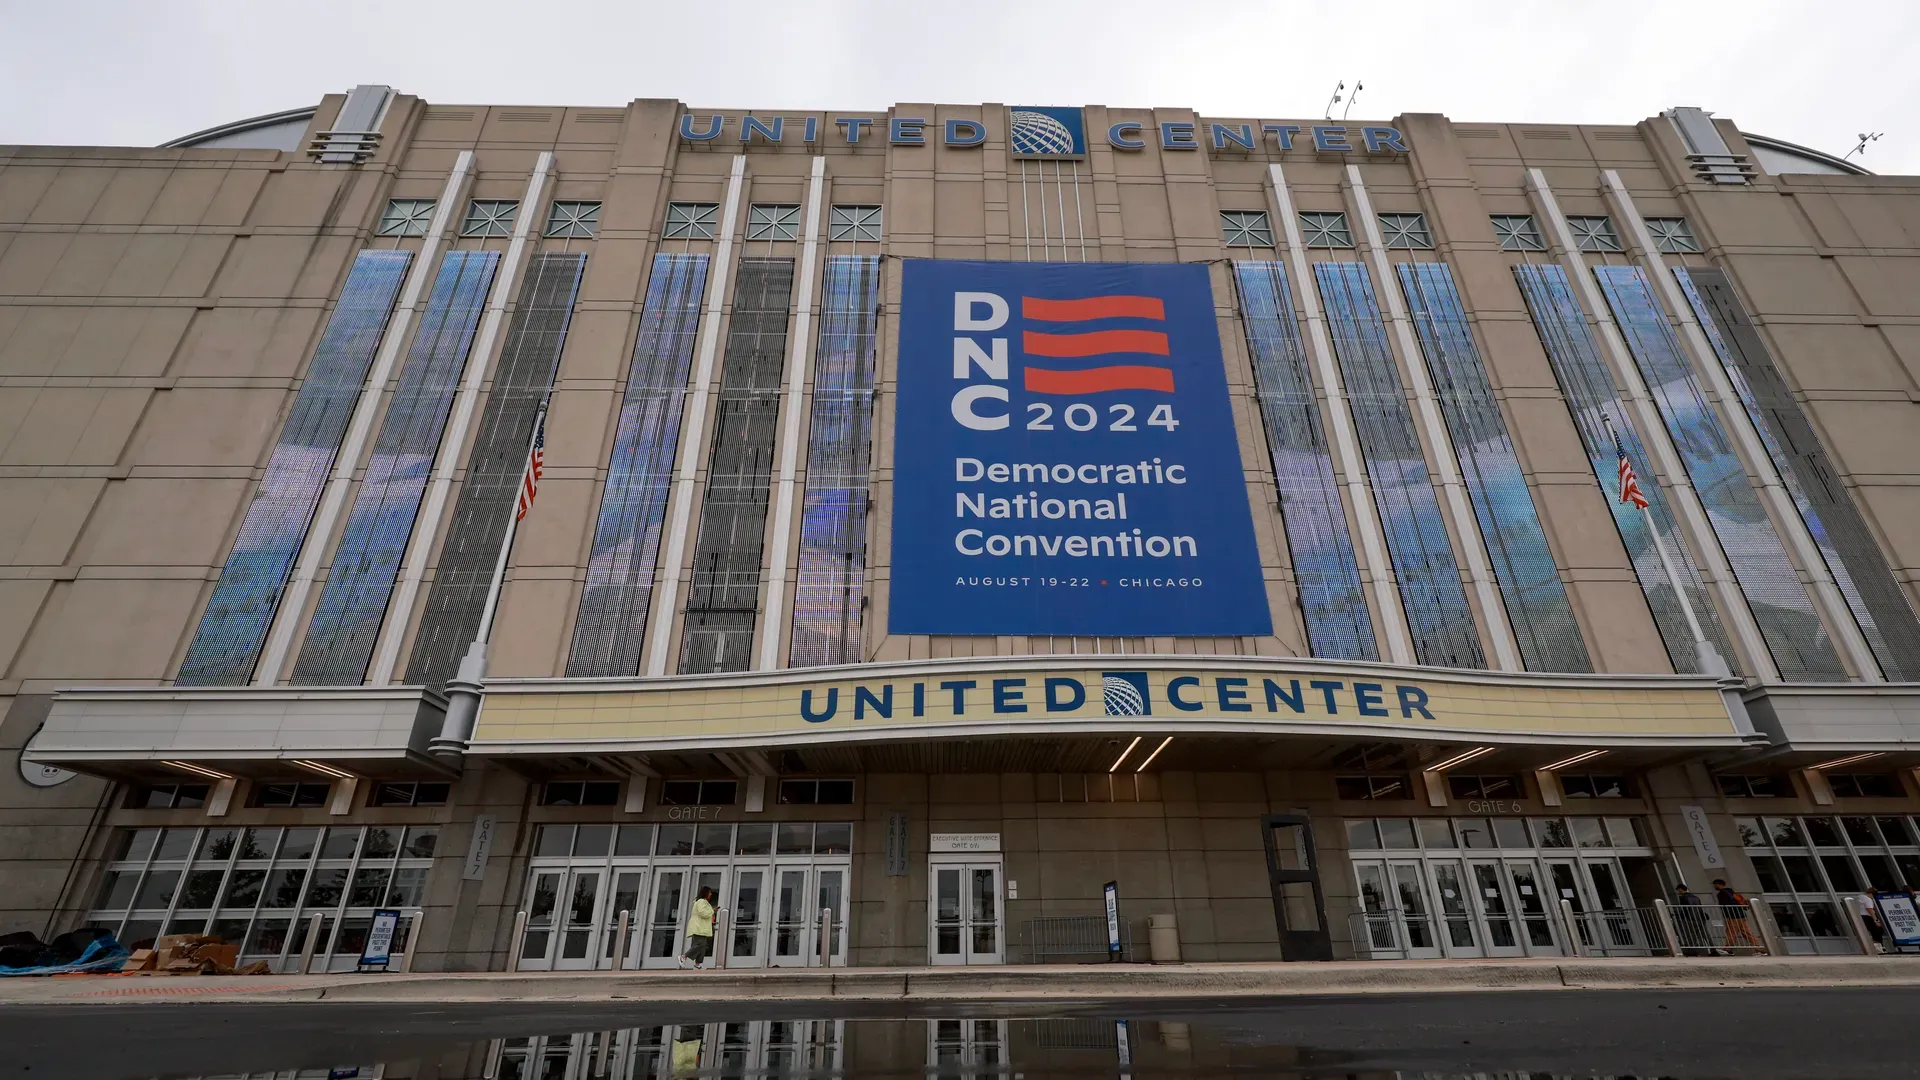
column 1064, row 456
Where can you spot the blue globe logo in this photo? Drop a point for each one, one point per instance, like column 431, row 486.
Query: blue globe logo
column 1039, row 134
column 1122, row 697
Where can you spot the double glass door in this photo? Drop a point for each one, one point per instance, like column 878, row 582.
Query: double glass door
column 772, row 914
column 1428, row 908
column 966, row 912
column 565, row 910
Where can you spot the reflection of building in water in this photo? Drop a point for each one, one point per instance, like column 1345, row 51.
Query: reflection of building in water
column 735, row 1049
column 964, row 1049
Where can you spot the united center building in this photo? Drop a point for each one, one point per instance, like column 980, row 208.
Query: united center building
column 945, row 513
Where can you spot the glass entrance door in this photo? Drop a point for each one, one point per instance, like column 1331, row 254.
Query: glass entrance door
column 543, row 905
column 746, row 929
column 1410, row 893
column 1532, row 897
column 626, row 896
column 966, row 913
column 580, row 923
column 666, row 914
column 800, row 894
column 1491, row 897
column 564, row 921
column 1457, row 924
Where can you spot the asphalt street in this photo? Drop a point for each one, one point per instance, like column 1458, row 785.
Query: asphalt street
column 1686, row 1034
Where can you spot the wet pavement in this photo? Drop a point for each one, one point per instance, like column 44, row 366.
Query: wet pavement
column 1685, row 1034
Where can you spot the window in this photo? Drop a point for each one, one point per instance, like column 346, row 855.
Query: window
column 855, row 223
column 301, row 794
column 259, row 887
column 167, row 797
column 1594, row 233
column 1372, row 787
column 1755, row 787
column 698, row 792
column 1246, row 228
column 574, row 220
column 1671, row 235
column 1865, row 785
column 1406, row 232
column 1594, row 786
column 489, row 217
column 580, row 793
column 773, row 223
column 406, row 217
column 1485, row 787
column 691, row 220
column 817, row 792
column 1326, row 229
column 1516, row 233
column 410, row 793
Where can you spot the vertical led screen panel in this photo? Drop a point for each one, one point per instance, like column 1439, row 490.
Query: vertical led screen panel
column 521, row 382
column 1592, row 399
column 360, row 580
column 1430, row 587
column 1064, row 456
column 1326, row 576
column 833, row 516
column 724, row 595
column 633, row 506
column 1792, row 628
column 1530, row 588
column 1859, row 567
column 234, row 627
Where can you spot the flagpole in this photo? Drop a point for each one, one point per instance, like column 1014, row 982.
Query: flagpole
column 463, row 690
column 1710, row 661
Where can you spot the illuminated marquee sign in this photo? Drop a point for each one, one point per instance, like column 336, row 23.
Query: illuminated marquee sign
column 1045, row 131
column 1156, row 693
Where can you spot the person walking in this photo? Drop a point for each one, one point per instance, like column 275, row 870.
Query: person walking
column 1870, row 918
column 1733, row 908
column 1690, row 921
column 700, row 929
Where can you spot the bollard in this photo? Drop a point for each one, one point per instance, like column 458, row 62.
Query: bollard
column 1769, row 930
column 1857, row 923
column 1573, row 929
column 1163, row 938
column 519, row 937
column 602, row 1043
column 413, row 941
column 826, row 937
column 719, row 938
column 1664, row 916
column 620, row 939
column 313, row 940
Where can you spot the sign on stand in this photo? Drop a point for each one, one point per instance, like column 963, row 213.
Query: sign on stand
column 1898, row 915
column 1112, row 890
column 379, row 948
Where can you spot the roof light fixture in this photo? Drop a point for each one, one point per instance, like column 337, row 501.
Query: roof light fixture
column 1851, row 760
column 1123, row 754
column 1155, row 754
column 1574, row 760
column 1460, row 759
column 197, row 770
column 324, row 770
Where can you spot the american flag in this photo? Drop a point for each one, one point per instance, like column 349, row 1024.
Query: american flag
column 1629, row 483
column 536, row 464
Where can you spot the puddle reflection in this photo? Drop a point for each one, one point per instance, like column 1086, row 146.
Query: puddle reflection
column 959, row 1048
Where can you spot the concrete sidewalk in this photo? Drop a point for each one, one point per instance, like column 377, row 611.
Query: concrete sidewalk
column 1028, row 982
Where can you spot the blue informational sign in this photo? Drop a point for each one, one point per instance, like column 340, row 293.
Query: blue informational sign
column 378, row 951
column 1064, row 456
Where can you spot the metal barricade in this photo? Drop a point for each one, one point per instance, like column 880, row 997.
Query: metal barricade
column 1716, row 930
column 1620, row 932
column 1391, row 934
column 1075, row 937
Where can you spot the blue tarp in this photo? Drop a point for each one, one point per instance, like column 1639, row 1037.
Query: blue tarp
column 102, row 955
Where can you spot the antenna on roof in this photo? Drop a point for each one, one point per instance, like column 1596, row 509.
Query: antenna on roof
column 1865, row 138
column 1335, row 100
column 1353, row 97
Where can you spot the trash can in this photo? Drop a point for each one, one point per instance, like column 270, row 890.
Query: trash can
column 1163, row 939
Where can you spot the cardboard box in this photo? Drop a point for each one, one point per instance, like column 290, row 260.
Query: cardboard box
column 141, row 960
column 222, row 956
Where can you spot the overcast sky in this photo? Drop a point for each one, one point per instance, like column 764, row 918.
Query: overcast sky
column 139, row 72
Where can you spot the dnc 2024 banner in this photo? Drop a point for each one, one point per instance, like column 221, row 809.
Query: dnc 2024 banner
column 1064, row 456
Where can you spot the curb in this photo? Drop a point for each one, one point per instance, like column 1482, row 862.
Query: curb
column 1007, row 983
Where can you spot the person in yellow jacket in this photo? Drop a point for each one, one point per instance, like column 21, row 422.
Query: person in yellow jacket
column 700, row 929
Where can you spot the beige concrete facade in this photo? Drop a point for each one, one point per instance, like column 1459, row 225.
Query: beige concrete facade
column 159, row 309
